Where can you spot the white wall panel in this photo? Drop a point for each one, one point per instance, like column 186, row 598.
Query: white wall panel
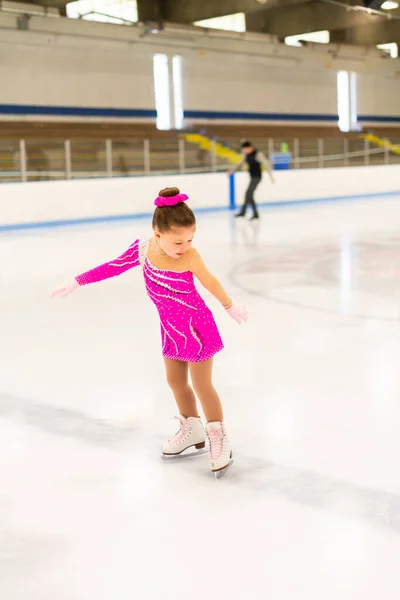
column 378, row 96
column 67, row 76
column 249, row 86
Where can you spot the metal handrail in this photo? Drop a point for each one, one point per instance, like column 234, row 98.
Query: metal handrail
column 65, row 159
column 329, row 157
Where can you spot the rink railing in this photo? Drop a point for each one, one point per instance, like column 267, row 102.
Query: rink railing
column 28, row 160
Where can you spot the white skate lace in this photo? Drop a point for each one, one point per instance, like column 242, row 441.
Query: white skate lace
column 182, row 434
column 216, row 437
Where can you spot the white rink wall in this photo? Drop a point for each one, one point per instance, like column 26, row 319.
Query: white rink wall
column 37, row 202
column 314, row 184
column 34, row 204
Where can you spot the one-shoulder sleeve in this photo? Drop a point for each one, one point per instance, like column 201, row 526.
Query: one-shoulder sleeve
column 129, row 259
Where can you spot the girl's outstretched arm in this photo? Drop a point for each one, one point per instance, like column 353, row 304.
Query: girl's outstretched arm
column 127, row 260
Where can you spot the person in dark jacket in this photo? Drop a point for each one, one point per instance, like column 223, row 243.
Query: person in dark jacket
column 255, row 160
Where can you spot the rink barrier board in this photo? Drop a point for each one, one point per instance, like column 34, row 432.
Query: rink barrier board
column 205, row 210
column 57, row 203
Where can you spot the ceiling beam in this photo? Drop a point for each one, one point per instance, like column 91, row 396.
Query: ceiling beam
column 371, row 35
column 150, row 10
column 50, row 3
column 305, row 18
column 189, row 11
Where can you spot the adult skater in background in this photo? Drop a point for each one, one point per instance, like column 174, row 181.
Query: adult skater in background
column 255, row 159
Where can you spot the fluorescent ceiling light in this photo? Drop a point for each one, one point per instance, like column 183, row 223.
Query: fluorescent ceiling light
column 235, row 22
column 318, row 37
column 177, row 84
column 161, row 91
column 391, row 49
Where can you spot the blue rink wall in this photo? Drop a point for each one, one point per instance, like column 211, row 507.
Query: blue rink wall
column 40, row 204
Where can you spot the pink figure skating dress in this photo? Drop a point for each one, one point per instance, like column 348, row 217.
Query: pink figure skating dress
column 188, row 329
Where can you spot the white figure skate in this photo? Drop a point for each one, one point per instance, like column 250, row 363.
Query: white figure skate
column 220, row 448
column 191, row 433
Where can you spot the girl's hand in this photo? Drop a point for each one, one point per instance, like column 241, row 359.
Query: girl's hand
column 65, row 288
column 238, row 312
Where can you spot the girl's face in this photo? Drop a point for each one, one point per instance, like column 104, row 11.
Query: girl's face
column 176, row 241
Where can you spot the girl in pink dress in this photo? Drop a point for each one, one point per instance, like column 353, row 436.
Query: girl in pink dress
column 189, row 334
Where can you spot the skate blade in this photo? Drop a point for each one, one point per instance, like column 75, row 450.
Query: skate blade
column 188, row 453
column 221, row 472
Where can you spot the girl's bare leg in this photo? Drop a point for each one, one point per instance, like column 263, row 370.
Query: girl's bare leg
column 178, row 380
column 201, row 374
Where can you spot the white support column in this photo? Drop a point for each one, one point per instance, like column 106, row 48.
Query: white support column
column 22, row 154
column 146, row 156
column 320, row 152
column 387, row 152
column 67, row 156
column 213, row 157
column 296, row 153
column 109, row 165
column 346, row 152
column 181, row 155
column 366, row 152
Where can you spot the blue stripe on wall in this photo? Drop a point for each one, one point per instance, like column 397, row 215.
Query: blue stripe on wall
column 379, row 119
column 209, row 114
column 75, row 111
column 81, row 111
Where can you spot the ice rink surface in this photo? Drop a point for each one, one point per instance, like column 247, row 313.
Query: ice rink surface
column 310, row 510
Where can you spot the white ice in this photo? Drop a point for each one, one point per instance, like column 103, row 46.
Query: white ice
column 311, row 390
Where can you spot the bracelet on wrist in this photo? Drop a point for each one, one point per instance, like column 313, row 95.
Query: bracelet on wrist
column 229, row 305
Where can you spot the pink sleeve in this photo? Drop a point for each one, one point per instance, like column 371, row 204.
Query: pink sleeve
column 127, row 260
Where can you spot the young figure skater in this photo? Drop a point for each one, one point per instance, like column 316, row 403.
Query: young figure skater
column 254, row 159
column 189, row 335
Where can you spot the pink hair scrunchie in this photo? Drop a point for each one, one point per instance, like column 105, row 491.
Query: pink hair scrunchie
column 171, row 200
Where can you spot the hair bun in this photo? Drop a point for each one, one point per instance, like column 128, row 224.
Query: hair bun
column 168, row 192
